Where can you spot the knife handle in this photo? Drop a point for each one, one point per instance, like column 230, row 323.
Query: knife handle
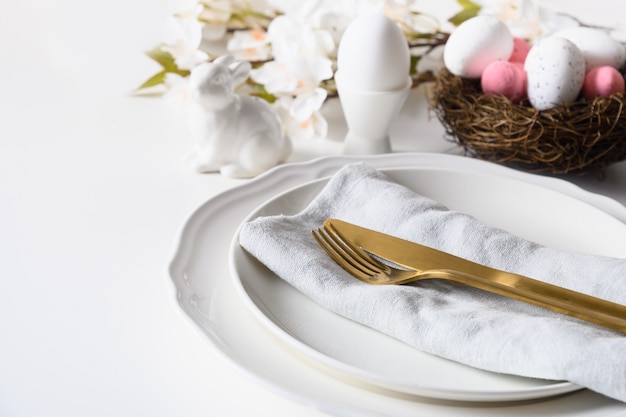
column 542, row 294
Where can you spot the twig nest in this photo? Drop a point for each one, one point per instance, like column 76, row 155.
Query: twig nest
column 556, row 105
column 581, row 136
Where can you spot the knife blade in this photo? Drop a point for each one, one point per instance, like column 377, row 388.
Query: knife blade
column 404, row 252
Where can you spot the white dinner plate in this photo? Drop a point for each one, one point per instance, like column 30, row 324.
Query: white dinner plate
column 362, row 354
column 207, row 296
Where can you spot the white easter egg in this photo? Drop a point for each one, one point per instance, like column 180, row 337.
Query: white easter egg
column 373, row 55
column 597, row 46
column 476, row 43
column 555, row 71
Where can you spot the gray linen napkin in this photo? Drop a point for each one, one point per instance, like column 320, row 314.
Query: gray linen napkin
column 446, row 319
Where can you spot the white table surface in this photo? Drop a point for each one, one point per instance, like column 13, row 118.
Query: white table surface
column 93, row 193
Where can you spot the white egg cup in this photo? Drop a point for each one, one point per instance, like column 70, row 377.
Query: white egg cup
column 369, row 115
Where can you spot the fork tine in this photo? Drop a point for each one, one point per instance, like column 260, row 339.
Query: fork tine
column 338, row 255
column 349, row 252
column 359, row 262
column 359, row 254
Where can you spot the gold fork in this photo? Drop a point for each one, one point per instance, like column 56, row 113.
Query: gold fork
column 352, row 247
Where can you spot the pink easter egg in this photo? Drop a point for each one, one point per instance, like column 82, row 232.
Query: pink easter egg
column 602, row 82
column 505, row 78
column 520, row 50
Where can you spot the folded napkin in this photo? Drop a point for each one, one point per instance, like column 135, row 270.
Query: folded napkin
column 451, row 320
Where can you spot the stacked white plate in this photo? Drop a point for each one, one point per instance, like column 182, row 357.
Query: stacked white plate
column 288, row 343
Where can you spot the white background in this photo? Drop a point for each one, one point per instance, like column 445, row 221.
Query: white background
column 93, row 193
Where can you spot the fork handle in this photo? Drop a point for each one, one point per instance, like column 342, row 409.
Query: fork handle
column 542, row 294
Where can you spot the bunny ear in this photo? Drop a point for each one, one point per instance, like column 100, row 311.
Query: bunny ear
column 225, row 60
column 239, row 71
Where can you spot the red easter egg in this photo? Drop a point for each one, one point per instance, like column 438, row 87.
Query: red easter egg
column 602, row 82
column 505, row 78
column 520, row 50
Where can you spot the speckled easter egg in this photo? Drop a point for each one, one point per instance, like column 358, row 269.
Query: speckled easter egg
column 476, row 43
column 597, row 46
column 602, row 82
column 504, row 78
column 521, row 47
column 555, row 71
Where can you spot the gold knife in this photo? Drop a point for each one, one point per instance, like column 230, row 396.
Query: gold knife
column 432, row 263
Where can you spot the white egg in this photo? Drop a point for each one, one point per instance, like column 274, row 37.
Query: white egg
column 373, row 55
column 476, row 43
column 597, row 46
column 555, row 70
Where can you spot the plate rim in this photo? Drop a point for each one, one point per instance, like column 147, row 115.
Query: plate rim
column 317, row 168
column 363, row 376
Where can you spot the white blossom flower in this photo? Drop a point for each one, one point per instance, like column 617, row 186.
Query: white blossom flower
column 304, row 105
column 250, row 45
column 300, row 75
column 408, row 17
column 314, row 127
column 525, row 18
column 294, row 75
column 300, row 58
column 220, row 15
column 289, row 36
column 335, row 24
column 182, row 37
column 399, row 10
column 303, row 121
column 215, row 15
column 331, row 16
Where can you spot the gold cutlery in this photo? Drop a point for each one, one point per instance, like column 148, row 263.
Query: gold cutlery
column 352, row 247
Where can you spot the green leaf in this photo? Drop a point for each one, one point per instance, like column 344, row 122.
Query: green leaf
column 414, row 61
column 156, row 79
column 164, row 59
column 469, row 9
column 167, row 62
column 260, row 92
column 264, row 95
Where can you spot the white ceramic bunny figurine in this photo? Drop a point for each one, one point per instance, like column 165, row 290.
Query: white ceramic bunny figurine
column 239, row 136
